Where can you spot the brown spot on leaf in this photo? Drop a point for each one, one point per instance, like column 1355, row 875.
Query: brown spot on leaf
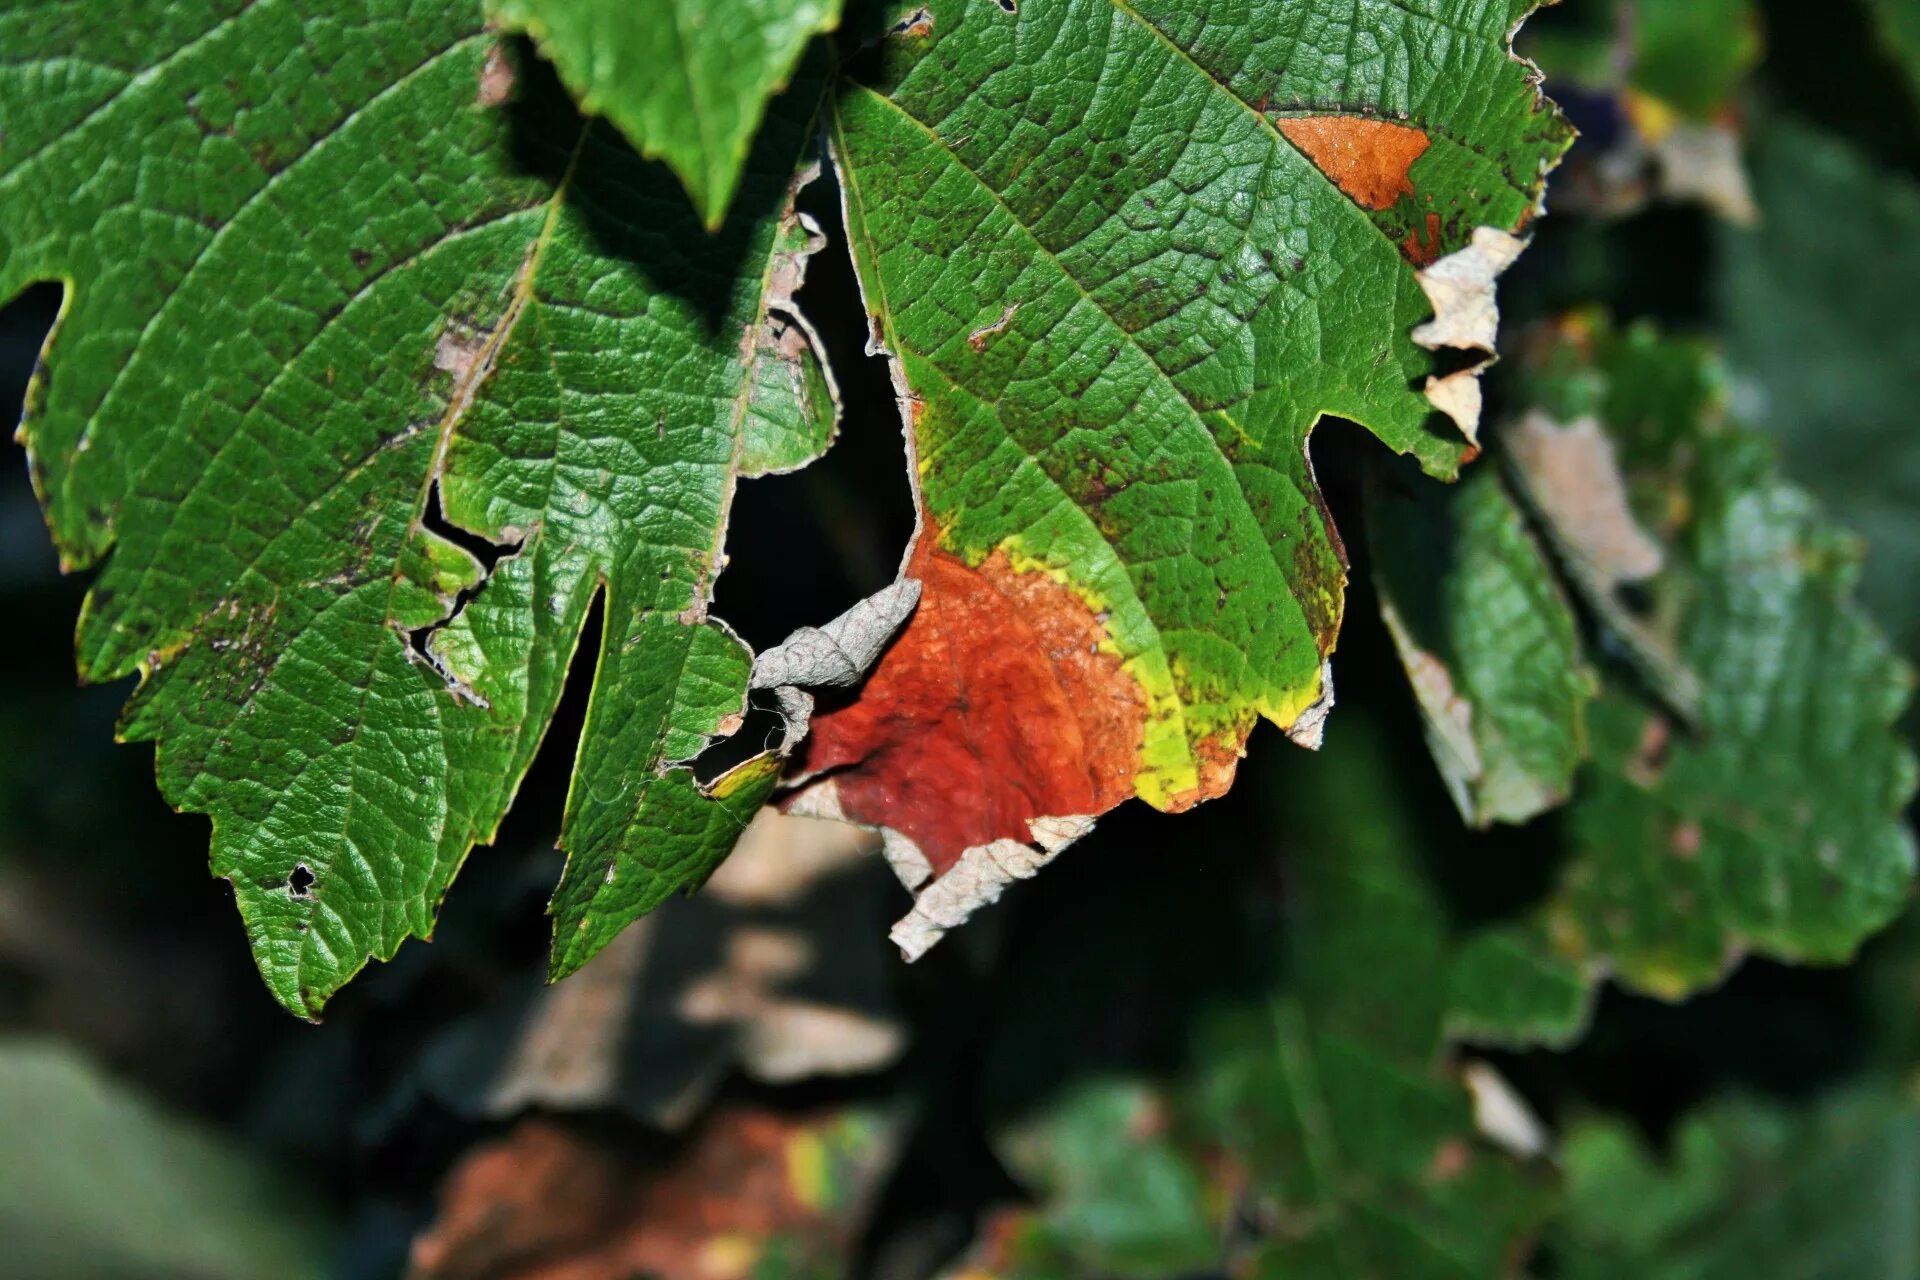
column 496, row 78
column 1370, row 160
column 1450, row 1160
column 1649, row 759
column 1422, row 246
column 997, row 705
column 1216, row 759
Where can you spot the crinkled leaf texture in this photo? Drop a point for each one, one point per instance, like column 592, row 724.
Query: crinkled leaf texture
column 685, row 80
column 1124, row 254
column 352, row 288
column 1768, row 818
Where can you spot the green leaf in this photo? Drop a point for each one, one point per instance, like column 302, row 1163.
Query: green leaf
column 98, row 1183
column 1487, row 639
column 329, row 266
column 1774, row 826
column 1750, row 1191
column 1121, row 1197
column 687, row 81
column 1690, row 57
column 1512, row 988
column 1693, row 55
column 1125, row 254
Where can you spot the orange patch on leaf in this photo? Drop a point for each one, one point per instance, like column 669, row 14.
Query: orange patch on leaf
column 995, row 706
column 1423, row 250
column 1370, row 160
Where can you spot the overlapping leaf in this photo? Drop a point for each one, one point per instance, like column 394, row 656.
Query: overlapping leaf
column 1124, row 254
column 1487, row 639
column 351, row 290
column 1655, row 86
column 686, row 80
column 1765, row 816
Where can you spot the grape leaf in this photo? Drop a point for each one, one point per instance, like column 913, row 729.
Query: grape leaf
column 353, row 294
column 1124, row 254
column 1898, row 23
column 1487, row 639
column 1656, row 87
column 1774, row 824
column 752, row 1191
column 686, row 80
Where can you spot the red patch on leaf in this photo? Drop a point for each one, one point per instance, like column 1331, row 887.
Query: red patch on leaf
column 996, row 705
column 1370, row 160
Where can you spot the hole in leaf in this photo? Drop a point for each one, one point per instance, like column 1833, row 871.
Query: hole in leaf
column 535, row 816
column 1448, row 361
column 300, row 883
column 760, row 730
column 488, row 553
column 805, row 546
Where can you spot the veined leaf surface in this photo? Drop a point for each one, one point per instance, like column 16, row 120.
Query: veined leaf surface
column 1125, row 254
column 338, row 274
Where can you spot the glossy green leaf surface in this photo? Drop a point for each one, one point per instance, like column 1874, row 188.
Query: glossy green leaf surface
column 355, row 303
column 687, row 81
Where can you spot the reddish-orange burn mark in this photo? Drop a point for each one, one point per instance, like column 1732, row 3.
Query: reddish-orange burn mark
column 1370, row 160
column 996, row 705
column 1423, row 250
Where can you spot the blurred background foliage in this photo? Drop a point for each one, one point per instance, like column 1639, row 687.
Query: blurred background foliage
column 1232, row 1043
